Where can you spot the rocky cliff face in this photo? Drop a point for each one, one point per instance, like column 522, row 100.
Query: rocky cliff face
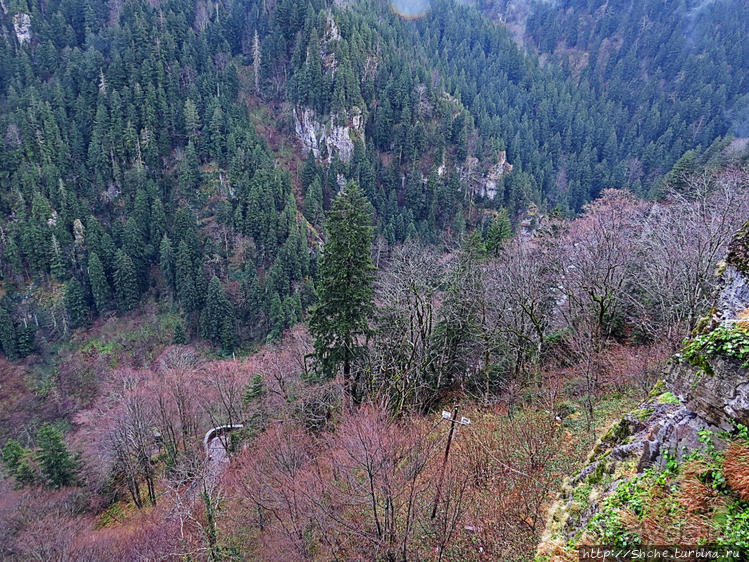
column 22, row 27
column 337, row 135
column 705, row 392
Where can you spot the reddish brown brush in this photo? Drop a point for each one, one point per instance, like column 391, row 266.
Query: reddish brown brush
column 694, row 494
column 736, row 469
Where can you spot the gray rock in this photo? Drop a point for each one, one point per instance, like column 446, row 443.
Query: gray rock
column 338, row 138
column 734, row 297
column 22, row 28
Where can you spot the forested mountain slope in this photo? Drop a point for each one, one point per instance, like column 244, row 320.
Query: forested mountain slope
column 129, row 165
column 678, row 69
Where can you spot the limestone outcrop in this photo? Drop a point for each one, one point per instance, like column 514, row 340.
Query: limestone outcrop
column 334, row 136
column 22, row 27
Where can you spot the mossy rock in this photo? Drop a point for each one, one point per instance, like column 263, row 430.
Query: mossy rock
column 617, row 432
column 658, row 389
column 738, row 250
column 642, row 414
column 667, row 398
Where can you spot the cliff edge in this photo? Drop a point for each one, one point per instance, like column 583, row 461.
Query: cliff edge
column 675, row 470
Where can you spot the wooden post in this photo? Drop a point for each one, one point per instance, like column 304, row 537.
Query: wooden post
column 453, row 420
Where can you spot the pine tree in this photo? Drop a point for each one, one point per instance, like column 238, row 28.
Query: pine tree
column 166, row 260
column 125, row 282
column 499, row 230
column 100, row 288
column 26, row 339
column 16, row 461
column 134, row 246
column 189, row 171
column 180, row 338
column 228, row 333
column 57, row 265
column 12, row 454
column 254, row 389
column 157, row 226
column 57, row 463
column 217, row 136
column 75, row 303
column 185, row 278
column 216, row 312
column 313, row 211
column 309, row 171
column 344, row 290
column 8, row 342
column 192, row 120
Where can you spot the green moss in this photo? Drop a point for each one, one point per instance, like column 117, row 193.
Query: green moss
column 667, row 398
column 703, row 324
column 580, row 498
column 617, row 433
column 597, row 476
column 658, row 388
column 643, row 414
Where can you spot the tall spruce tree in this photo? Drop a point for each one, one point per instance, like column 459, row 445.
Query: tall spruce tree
column 166, row 260
column 185, row 278
column 100, row 288
column 339, row 321
column 75, row 303
column 8, row 342
column 217, row 317
column 58, row 465
column 125, row 282
column 499, row 230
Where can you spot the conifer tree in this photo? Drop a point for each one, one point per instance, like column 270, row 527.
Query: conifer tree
column 16, row 461
column 8, row 342
column 166, row 260
column 180, row 338
column 134, row 246
column 57, row 265
column 58, row 465
column 157, row 226
column 75, row 303
column 345, row 293
column 185, row 278
column 216, row 319
column 192, row 120
column 125, row 282
column 100, row 288
column 499, row 230
column 313, row 211
column 26, row 339
column 189, row 171
column 217, row 136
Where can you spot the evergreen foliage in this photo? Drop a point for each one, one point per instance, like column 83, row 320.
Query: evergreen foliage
column 339, row 321
column 59, row 467
column 121, row 131
column 126, row 289
column 217, row 316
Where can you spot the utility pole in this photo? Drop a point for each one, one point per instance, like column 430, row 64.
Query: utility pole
column 453, row 421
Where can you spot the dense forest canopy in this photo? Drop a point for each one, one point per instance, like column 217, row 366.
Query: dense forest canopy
column 130, row 163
